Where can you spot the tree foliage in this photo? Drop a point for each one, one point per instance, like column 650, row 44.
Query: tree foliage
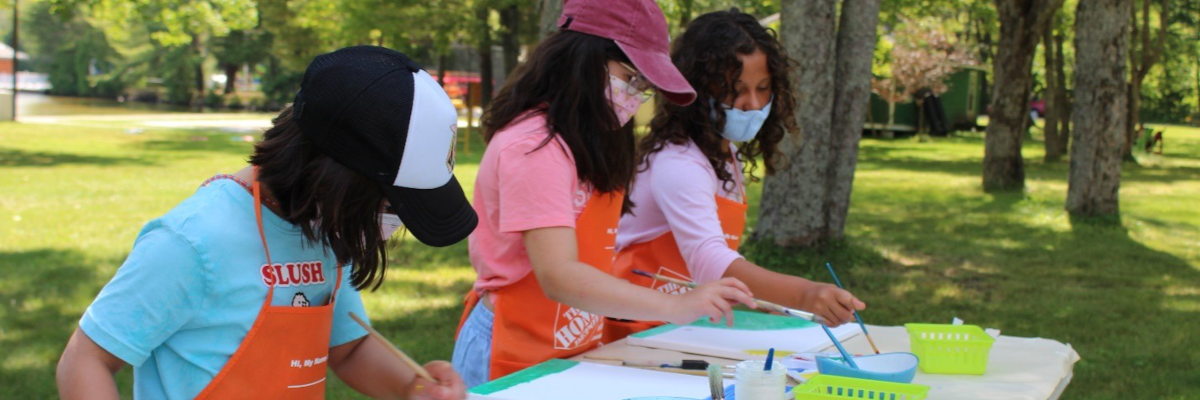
column 922, row 56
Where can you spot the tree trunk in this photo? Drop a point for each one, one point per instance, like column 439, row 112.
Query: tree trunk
column 1062, row 100
column 485, row 56
column 1101, row 43
column 231, row 73
column 198, row 47
column 805, row 202
column 548, row 22
column 510, row 18
column 441, row 62
column 1020, row 23
column 855, row 51
column 792, row 210
column 1142, row 58
column 1050, row 119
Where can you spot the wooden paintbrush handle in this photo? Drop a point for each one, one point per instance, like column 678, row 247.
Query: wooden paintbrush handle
column 395, row 350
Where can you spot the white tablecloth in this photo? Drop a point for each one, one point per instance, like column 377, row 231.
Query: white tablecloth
column 1018, row 368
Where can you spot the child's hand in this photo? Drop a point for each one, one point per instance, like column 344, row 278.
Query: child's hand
column 449, row 385
column 714, row 300
column 831, row 302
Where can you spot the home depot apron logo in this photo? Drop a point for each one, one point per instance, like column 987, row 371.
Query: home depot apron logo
column 668, row 287
column 574, row 327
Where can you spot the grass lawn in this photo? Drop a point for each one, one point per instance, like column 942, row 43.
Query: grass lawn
column 925, row 244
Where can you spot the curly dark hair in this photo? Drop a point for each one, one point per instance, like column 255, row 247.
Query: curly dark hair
column 707, row 55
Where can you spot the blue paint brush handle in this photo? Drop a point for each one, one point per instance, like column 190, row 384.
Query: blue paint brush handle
column 839, row 283
column 835, row 278
column 845, row 354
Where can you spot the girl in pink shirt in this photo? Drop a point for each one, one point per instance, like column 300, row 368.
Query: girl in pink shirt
column 689, row 205
column 550, row 189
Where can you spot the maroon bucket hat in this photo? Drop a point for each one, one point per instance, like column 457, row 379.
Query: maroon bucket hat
column 640, row 30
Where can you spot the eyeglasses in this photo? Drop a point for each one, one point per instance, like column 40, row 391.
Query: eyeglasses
column 638, row 85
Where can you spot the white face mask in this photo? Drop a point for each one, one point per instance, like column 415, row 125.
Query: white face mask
column 389, row 224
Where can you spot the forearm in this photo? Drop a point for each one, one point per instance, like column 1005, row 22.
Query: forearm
column 367, row 366
column 84, row 374
column 584, row 287
column 783, row 289
column 829, row 302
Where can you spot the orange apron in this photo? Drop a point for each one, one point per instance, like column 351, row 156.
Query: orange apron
column 529, row 327
column 284, row 355
column 662, row 256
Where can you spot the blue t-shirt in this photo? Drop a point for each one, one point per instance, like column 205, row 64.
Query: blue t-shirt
column 193, row 284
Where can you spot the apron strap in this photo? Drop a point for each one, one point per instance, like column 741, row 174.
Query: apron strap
column 337, row 284
column 263, row 236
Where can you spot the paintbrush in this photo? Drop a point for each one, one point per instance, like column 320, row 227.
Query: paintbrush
column 395, row 350
column 845, row 354
column 860, row 323
column 697, row 365
column 762, row 304
column 716, row 384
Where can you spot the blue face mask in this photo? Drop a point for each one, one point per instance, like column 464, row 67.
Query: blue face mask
column 741, row 126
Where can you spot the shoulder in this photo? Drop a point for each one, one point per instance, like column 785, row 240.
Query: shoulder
column 211, row 204
column 530, row 136
column 677, row 157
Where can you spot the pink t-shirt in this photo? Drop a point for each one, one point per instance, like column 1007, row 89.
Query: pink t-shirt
column 520, row 187
column 677, row 193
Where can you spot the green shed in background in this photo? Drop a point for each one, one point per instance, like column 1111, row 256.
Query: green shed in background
column 964, row 101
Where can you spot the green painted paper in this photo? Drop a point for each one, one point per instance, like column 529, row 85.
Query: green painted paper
column 742, row 320
column 526, row 375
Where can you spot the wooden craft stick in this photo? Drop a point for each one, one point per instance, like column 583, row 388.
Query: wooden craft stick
column 395, row 350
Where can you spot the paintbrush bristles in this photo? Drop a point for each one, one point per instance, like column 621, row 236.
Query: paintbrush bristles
column 716, row 384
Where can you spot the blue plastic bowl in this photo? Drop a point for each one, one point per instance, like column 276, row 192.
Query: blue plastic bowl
column 890, row 367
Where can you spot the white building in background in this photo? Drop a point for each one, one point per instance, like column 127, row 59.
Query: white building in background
column 27, row 81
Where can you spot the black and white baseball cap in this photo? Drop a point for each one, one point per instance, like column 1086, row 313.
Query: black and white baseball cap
column 378, row 113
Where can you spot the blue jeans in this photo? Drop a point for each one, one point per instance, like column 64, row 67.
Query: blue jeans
column 473, row 349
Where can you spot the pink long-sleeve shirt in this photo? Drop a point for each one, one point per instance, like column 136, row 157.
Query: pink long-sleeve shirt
column 677, row 193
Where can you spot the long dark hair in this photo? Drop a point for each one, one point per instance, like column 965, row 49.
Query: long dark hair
column 565, row 78
column 311, row 187
column 707, row 55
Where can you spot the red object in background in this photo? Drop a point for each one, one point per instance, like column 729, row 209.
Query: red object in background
column 1038, row 106
column 455, row 83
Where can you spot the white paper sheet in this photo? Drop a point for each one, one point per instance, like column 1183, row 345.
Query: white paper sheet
column 745, row 344
column 588, row 381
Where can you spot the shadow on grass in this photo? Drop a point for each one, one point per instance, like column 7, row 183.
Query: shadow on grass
column 188, row 141
column 43, row 293
column 891, row 157
column 21, row 158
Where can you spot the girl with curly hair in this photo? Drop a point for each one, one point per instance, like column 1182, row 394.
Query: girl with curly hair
column 689, row 197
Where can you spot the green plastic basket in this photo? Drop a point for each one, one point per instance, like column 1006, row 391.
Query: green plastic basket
column 824, row 386
column 950, row 349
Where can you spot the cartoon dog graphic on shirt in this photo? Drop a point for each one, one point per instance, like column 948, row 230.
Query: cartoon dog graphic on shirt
column 299, row 300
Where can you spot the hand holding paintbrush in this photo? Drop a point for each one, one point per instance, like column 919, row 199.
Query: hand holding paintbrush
column 856, row 317
column 443, row 384
column 762, row 304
